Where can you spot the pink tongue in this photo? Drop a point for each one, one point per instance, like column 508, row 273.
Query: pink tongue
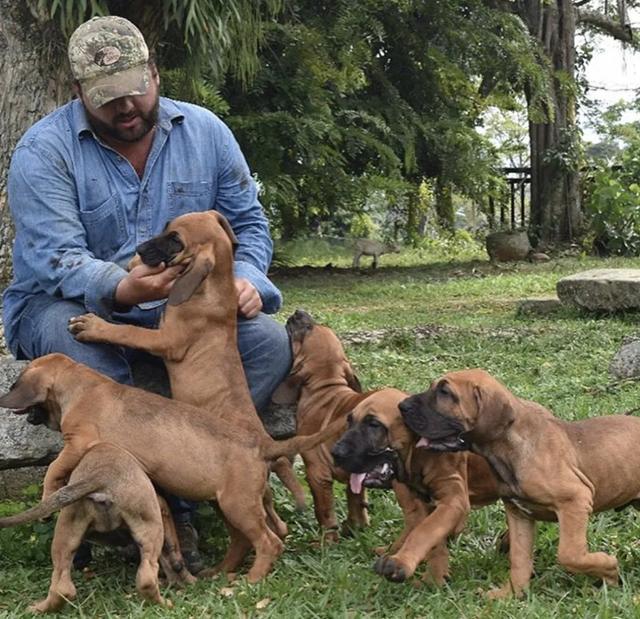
column 423, row 442
column 355, row 482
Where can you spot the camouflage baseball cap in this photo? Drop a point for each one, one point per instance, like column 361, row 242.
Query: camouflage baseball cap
column 108, row 56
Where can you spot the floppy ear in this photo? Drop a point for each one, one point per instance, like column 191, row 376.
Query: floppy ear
column 24, row 393
column 494, row 411
column 222, row 220
column 287, row 392
column 189, row 281
column 136, row 261
column 352, row 379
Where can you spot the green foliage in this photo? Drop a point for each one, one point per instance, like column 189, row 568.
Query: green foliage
column 613, row 207
column 612, row 202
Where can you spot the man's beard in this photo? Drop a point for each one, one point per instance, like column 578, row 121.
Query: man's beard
column 110, row 130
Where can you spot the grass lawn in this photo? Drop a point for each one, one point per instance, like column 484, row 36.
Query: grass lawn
column 467, row 318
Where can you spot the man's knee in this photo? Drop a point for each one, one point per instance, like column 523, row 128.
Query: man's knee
column 44, row 329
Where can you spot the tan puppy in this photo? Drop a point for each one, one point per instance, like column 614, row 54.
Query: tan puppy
column 435, row 490
column 107, row 490
column 197, row 337
column 548, row 469
column 326, row 389
column 223, row 461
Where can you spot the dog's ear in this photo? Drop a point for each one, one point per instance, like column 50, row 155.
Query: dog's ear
column 136, row 261
column 494, row 411
column 189, row 281
column 287, row 392
column 352, row 379
column 226, row 226
column 24, row 393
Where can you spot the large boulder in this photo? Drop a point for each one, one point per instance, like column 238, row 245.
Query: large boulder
column 606, row 290
column 508, row 246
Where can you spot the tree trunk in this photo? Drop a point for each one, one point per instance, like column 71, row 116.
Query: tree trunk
column 34, row 79
column 555, row 198
column 444, row 205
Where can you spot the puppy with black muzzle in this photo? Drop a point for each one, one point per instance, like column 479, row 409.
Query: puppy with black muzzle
column 435, row 490
column 548, row 469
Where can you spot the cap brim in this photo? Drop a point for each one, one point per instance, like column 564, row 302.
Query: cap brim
column 101, row 90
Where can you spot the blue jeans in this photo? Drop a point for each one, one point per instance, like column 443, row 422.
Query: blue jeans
column 263, row 344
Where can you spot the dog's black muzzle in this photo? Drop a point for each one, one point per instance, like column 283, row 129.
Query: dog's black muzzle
column 159, row 249
column 442, row 433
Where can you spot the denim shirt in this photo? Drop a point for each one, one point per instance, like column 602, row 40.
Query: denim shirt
column 80, row 209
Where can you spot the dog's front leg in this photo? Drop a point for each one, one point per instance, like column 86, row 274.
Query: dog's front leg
column 522, row 531
column 414, row 511
column 433, row 531
column 168, row 343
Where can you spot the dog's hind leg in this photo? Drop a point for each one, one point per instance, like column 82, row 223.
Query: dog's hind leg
column 239, row 547
column 573, row 553
column 171, row 559
column 148, row 532
column 276, row 524
column 321, row 484
column 71, row 526
column 357, row 511
column 246, row 513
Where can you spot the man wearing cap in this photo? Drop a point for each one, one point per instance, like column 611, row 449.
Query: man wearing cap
column 105, row 172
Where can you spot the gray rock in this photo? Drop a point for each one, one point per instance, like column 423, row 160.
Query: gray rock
column 542, row 306
column 626, row 362
column 607, row 290
column 22, row 444
column 508, row 246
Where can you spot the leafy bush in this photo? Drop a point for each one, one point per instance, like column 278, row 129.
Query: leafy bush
column 613, row 212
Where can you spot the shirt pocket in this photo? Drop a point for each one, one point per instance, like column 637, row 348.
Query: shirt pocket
column 105, row 228
column 189, row 197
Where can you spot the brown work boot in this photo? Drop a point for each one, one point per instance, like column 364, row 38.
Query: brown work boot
column 188, row 538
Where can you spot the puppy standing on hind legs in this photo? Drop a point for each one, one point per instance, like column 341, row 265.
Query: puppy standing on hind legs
column 224, row 462
column 107, row 490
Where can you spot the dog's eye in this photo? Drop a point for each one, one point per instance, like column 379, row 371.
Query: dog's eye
column 373, row 422
column 350, row 420
column 443, row 389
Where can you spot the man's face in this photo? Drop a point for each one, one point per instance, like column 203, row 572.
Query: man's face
column 127, row 119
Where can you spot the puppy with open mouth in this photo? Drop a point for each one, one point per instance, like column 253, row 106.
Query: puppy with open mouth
column 548, row 469
column 435, row 490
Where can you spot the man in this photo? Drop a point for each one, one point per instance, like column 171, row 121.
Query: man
column 105, row 172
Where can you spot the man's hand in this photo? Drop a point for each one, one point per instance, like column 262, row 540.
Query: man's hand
column 249, row 301
column 145, row 283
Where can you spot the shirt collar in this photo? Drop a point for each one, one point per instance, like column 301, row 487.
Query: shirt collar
column 168, row 113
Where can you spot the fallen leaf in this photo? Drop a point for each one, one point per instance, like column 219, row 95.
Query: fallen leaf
column 263, row 603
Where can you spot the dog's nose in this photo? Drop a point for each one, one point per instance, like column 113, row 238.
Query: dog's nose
column 406, row 405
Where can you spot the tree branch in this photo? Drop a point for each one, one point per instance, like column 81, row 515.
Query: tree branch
column 604, row 24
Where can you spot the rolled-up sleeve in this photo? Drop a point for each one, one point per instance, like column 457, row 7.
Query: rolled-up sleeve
column 44, row 206
column 237, row 200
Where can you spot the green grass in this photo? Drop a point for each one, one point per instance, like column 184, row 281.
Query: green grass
column 469, row 311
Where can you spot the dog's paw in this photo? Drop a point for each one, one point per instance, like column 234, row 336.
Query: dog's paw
column 87, row 328
column 502, row 593
column 392, row 569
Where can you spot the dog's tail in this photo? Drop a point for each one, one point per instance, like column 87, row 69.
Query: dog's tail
column 59, row 499
column 292, row 446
